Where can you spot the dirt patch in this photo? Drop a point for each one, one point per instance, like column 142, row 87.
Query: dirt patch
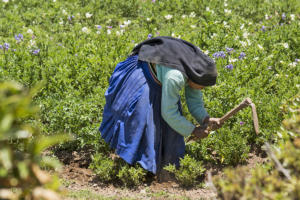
column 77, row 176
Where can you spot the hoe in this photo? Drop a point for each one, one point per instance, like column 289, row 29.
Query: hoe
column 243, row 104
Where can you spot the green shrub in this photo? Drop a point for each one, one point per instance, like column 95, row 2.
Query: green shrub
column 104, row 167
column 267, row 181
column 189, row 172
column 222, row 147
column 117, row 170
column 21, row 145
column 132, row 175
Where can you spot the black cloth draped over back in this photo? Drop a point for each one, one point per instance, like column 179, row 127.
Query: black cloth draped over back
column 181, row 55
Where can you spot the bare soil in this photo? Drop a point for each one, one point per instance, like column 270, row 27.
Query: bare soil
column 77, row 176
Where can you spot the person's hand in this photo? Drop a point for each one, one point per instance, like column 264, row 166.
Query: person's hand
column 214, row 123
column 200, row 133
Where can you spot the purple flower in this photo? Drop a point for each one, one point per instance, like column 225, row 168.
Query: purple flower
column 109, row 27
column 230, row 66
column 270, row 67
column 20, row 36
column 35, row 52
column 153, row 1
column 6, row 46
column 263, row 28
column 242, row 123
column 99, row 26
column 229, row 49
column 76, row 54
column 71, row 17
column 242, row 55
column 122, row 26
column 1, row 47
column 14, row 50
column 17, row 38
column 157, row 33
column 283, row 16
column 297, row 60
column 220, row 54
column 149, row 36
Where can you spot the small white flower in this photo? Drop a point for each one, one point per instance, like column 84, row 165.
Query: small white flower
column 225, row 4
column 148, row 19
column 168, row 17
column 193, row 26
column 126, row 23
column 225, row 23
column 31, row 43
column 266, row 17
column 285, row 45
column 179, row 36
column 245, row 34
column 193, row 14
column 108, row 32
column 232, row 60
column 61, row 22
column 244, row 44
column 227, row 11
column 64, row 12
column 249, row 42
column 293, row 64
column 236, row 37
column 98, row 32
column 183, row 16
column 250, row 23
column 118, row 33
column 213, row 35
column 173, row 34
column 260, row 47
column 85, row 30
column 256, row 58
column 206, row 52
column 242, row 26
column 29, row 31
column 276, row 75
column 54, row 1
column 292, row 17
column 88, row 15
column 5, row 1
column 281, row 62
column 207, row 9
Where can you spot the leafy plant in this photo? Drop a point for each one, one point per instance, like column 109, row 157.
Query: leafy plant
column 132, row 176
column 269, row 181
column 189, row 172
column 21, row 145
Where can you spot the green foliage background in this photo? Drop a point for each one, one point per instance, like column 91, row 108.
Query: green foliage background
column 76, row 59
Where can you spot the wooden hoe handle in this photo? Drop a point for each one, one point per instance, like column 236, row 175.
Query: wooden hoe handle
column 243, row 104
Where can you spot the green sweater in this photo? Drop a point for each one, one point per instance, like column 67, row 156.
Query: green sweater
column 173, row 82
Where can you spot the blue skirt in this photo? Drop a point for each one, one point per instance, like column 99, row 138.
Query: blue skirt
column 132, row 123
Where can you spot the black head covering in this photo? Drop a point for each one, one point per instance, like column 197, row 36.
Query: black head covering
column 181, row 55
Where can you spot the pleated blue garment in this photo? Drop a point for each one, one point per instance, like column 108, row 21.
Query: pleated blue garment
column 132, row 123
